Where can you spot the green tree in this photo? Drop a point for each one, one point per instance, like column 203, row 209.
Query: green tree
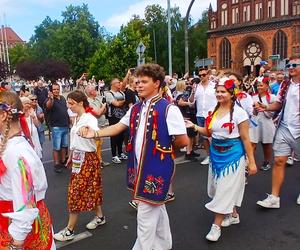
column 117, row 54
column 74, row 40
column 18, row 54
column 198, row 40
column 156, row 24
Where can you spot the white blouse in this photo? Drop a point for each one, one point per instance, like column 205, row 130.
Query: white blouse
column 11, row 185
column 79, row 143
column 219, row 128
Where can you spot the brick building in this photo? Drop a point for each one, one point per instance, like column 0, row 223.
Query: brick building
column 242, row 33
column 8, row 39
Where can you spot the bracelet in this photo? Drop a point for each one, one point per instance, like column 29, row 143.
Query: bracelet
column 96, row 134
column 196, row 128
column 13, row 247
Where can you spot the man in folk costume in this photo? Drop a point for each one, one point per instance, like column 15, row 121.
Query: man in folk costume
column 287, row 137
column 156, row 129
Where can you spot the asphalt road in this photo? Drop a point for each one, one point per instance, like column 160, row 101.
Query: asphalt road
column 259, row 229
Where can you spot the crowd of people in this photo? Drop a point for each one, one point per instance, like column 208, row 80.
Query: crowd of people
column 149, row 117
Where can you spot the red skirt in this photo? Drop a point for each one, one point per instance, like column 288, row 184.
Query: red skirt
column 85, row 188
column 40, row 236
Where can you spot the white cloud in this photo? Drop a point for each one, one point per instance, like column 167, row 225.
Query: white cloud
column 116, row 20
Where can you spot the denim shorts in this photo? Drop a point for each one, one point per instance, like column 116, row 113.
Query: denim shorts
column 201, row 123
column 60, row 137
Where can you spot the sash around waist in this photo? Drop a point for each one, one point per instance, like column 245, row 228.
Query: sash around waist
column 7, row 206
column 225, row 156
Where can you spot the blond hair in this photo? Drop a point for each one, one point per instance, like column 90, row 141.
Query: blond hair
column 180, row 86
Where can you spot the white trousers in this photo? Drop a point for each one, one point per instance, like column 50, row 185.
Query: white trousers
column 153, row 228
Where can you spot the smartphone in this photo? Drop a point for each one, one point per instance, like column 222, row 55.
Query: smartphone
column 132, row 71
column 103, row 100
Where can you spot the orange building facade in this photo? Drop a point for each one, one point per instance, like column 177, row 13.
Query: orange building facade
column 242, row 33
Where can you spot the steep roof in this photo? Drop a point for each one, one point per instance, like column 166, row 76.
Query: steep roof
column 12, row 36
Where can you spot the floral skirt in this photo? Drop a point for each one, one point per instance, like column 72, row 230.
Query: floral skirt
column 40, row 237
column 85, row 187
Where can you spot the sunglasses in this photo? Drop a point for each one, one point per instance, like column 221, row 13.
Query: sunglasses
column 292, row 65
column 33, row 99
column 203, row 75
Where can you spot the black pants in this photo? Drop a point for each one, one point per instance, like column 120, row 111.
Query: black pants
column 116, row 142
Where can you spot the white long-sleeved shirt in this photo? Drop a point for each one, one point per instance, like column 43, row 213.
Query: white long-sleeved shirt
column 11, row 185
column 205, row 98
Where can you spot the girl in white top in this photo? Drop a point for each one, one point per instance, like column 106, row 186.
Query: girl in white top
column 265, row 130
column 243, row 99
column 85, row 187
column 23, row 184
column 229, row 128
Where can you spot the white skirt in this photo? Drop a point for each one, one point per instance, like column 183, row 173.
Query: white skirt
column 227, row 191
column 264, row 132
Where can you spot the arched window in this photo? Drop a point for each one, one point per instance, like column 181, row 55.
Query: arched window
column 225, row 54
column 280, row 44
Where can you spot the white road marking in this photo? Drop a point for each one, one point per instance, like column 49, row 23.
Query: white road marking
column 78, row 237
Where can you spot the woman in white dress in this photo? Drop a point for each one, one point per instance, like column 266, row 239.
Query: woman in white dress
column 265, row 130
column 228, row 125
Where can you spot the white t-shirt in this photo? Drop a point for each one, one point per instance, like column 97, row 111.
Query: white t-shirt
column 175, row 123
column 220, row 132
column 291, row 115
column 79, row 143
column 246, row 103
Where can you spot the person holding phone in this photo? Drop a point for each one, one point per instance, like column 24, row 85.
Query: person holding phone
column 287, row 136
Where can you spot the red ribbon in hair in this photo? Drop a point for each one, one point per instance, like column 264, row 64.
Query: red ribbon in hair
column 91, row 111
column 25, row 129
column 241, row 95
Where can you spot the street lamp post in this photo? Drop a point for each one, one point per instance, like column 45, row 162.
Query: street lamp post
column 169, row 39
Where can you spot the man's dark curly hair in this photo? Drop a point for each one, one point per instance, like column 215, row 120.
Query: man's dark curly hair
column 152, row 70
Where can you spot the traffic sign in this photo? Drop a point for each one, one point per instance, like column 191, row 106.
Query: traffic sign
column 140, row 48
column 274, row 57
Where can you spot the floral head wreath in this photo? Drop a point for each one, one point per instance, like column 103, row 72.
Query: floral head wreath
column 6, row 107
column 229, row 85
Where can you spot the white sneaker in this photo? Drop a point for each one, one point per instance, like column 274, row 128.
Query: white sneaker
column 298, row 200
column 214, row 233
column 290, row 161
column 64, row 235
column 116, row 159
column 205, row 161
column 230, row 220
column 123, row 156
column 270, row 202
column 97, row 221
column 182, row 149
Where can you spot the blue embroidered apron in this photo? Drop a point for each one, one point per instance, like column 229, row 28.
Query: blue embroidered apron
column 225, row 156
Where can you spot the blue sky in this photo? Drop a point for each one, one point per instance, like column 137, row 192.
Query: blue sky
column 24, row 15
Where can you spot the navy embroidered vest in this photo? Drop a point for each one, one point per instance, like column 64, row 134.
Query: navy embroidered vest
column 156, row 164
